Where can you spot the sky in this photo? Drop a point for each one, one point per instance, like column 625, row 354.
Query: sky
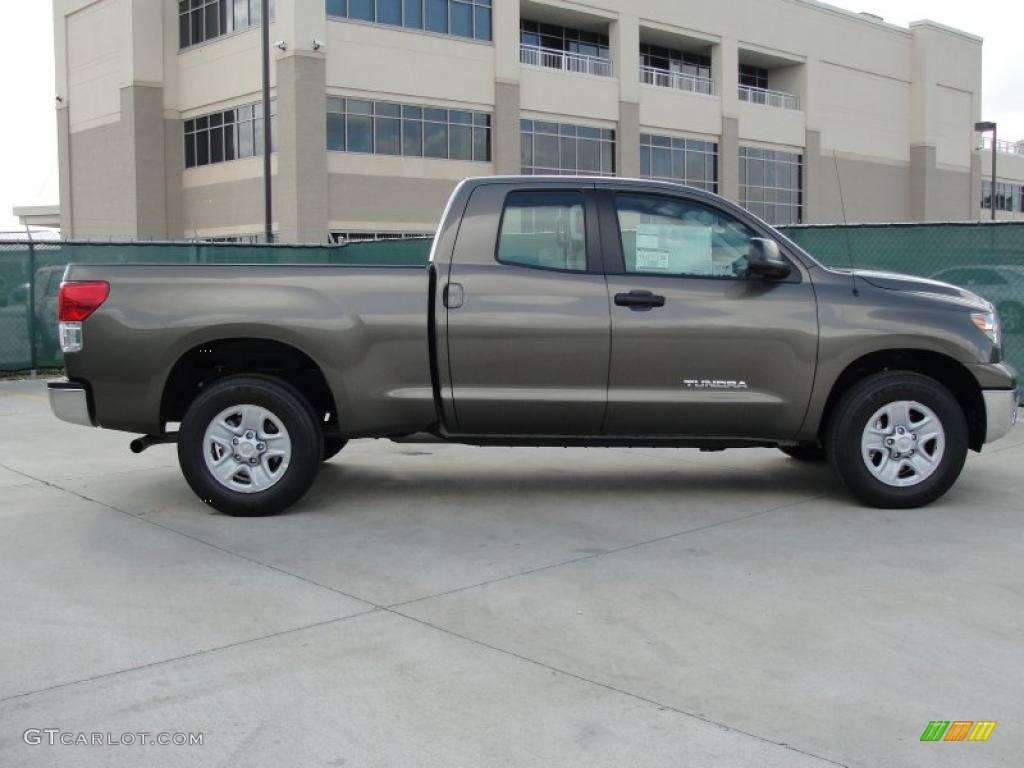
column 28, row 137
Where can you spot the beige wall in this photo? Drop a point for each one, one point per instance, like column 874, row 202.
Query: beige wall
column 893, row 107
column 377, row 59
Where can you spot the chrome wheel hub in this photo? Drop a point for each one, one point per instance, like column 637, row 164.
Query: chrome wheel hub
column 247, row 448
column 903, row 443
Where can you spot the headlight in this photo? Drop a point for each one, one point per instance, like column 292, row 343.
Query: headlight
column 988, row 323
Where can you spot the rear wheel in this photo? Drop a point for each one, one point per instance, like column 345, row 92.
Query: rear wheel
column 898, row 440
column 812, row 453
column 250, row 446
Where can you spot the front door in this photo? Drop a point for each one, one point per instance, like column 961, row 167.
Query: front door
column 700, row 348
column 527, row 314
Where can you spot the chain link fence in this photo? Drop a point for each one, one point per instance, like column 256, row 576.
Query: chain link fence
column 987, row 258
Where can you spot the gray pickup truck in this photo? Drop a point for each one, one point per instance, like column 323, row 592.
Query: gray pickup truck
column 564, row 312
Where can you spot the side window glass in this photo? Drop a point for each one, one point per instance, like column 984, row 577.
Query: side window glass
column 677, row 238
column 544, row 230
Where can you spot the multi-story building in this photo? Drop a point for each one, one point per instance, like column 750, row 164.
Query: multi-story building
column 1009, row 199
column 797, row 110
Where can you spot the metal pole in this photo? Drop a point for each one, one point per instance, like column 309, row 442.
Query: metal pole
column 995, row 142
column 267, row 198
column 33, row 359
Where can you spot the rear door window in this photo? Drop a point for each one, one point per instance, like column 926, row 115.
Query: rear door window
column 544, row 230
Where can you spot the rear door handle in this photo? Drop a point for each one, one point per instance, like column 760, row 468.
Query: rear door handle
column 639, row 301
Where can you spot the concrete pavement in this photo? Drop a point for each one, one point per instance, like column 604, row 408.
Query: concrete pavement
column 456, row 606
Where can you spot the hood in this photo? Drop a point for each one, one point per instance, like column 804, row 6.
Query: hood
column 922, row 286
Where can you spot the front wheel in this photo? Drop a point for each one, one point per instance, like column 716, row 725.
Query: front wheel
column 898, row 440
column 250, row 446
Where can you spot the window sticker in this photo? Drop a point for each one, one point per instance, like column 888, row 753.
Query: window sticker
column 674, row 249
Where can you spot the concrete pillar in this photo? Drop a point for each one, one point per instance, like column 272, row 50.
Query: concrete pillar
column 627, row 140
column 301, row 182
column 624, row 48
column 142, row 116
column 922, row 181
column 814, row 170
column 725, row 67
column 729, row 160
column 506, row 137
column 725, row 71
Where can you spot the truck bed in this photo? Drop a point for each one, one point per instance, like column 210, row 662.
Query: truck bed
column 365, row 327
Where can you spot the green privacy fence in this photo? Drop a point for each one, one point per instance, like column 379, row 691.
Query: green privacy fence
column 30, row 275
column 984, row 257
column 987, row 258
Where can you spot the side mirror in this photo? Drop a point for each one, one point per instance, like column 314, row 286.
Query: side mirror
column 764, row 260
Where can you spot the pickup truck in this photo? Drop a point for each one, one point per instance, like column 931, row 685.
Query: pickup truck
column 554, row 312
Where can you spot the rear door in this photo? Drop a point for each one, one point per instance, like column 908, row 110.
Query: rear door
column 699, row 347
column 528, row 324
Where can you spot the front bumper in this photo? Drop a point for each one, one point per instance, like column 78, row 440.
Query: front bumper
column 1000, row 413
column 70, row 402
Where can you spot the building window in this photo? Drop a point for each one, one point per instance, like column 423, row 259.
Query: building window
column 229, row 135
column 753, row 77
column 1009, row 197
column 677, row 62
column 386, row 128
column 341, row 238
column 572, row 50
column 771, row 185
column 202, row 20
column 687, row 161
column 563, row 149
column 230, row 239
column 461, row 18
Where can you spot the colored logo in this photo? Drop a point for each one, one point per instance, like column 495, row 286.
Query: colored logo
column 958, row 730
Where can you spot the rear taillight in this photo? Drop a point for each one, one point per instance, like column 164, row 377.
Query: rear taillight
column 79, row 300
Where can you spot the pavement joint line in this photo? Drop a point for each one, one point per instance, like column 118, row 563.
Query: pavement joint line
column 75, row 478
column 23, row 395
column 613, row 551
column 192, row 655
column 616, row 689
column 197, row 539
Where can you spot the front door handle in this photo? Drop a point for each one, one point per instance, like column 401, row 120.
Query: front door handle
column 454, row 296
column 639, row 301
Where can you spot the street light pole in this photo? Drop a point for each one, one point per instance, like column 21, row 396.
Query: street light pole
column 994, row 128
column 268, row 211
column 995, row 154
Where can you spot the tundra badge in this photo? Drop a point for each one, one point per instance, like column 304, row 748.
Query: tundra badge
column 714, row 384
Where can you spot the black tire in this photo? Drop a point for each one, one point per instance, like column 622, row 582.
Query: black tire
column 332, row 446
column 858, row 406
column 812, row 453
column 289, row 406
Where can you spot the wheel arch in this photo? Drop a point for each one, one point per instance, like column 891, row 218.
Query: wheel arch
column 208, row 362
column 949, row 372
